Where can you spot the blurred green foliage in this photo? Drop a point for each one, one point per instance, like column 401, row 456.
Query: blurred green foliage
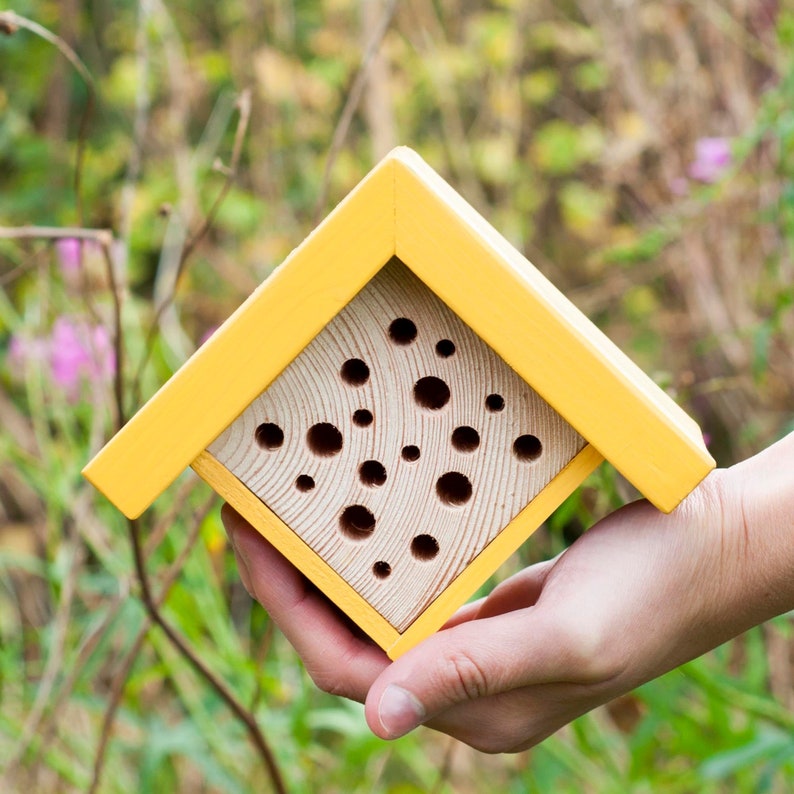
column 573, row 127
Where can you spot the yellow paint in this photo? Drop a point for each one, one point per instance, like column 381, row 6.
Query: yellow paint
column 593, row 385
column 498, row 550
column 303, row 557
column 251, row 348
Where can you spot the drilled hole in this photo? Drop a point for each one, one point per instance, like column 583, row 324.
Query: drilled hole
column 354, row 372
column 431, row 393
column 363, row 417
column 402, row 331
column 304, row 483
column 324, row 439
column 269, row 436
column 424, row 547
column 372, row 473
column 453, row 488
column 381, row 569
column 465, row 439
column 527, row 448
column 356, row 522
column 494, row 402
column 411, row 453
column 445, row 348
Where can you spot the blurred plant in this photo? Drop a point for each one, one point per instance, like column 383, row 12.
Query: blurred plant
column 73, row 354
column 712, row 159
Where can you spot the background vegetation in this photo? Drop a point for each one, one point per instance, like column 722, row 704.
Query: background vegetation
column 640, row 152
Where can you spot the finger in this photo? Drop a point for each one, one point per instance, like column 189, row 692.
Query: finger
column 338, row 660
column 474, row 660
column 518, row 592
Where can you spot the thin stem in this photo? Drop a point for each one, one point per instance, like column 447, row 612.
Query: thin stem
column 120, row 678
column 243, row 106
column 351, row 104
column 176, row 639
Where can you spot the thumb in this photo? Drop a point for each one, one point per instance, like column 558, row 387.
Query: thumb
column 467, row 662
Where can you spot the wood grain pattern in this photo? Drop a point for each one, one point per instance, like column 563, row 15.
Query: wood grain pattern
column 399, row 531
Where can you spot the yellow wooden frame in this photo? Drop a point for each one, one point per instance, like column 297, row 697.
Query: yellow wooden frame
column 404, row 209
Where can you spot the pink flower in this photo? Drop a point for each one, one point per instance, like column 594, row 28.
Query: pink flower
column 712, row 159
column 74, row 353
column 68, row 252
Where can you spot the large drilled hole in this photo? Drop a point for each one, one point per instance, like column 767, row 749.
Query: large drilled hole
column 495, row 402
column 304, row 483
column 410, row 453
column 381, row 569
column 402, row 331
column 324, row 439
column 354, row 372
column 269, row 436
column 527, row 448
column 445, row 348
column 362, row 417
column 356, row 522
column 453, row 488
column 372, row 473
column 465, row 439
column 424, row 547
column 431, row 393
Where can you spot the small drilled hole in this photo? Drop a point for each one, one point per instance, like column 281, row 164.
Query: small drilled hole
column 363, row 417
column 356, row 522
column 424, row 547
column 372, row 473
column 445, row 348
column 354, row 372
column 324, row 439
column 431, row 393
column 453, row 488
column 494, row 402
column 411, row 453
column 402, row 331
column 465, row 439
column 304, row 483
column 381, row 569
column 269, row 436
column 527, row 448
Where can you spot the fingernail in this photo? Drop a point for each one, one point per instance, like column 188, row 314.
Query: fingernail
column 399, row 711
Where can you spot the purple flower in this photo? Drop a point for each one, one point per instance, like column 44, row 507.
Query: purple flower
column 68, row 252
column 74, row 353
column 712, row 159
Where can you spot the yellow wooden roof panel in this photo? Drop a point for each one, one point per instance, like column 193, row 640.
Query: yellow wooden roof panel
column 574, row 366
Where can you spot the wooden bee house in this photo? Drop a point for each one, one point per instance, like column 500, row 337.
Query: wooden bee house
column 400, row 405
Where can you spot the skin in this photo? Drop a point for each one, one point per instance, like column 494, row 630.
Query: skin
column 639, row 594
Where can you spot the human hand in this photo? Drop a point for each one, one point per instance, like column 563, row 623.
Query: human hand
column 639, row 594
